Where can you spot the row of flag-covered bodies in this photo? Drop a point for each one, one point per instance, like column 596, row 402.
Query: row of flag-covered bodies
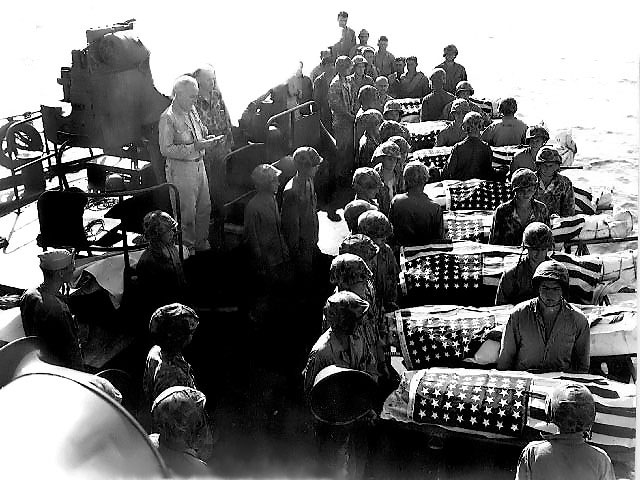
column 435, row 270
column 508, row 404
column 452, row 335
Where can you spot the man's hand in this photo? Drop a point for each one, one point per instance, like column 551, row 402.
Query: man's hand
column 207, row 142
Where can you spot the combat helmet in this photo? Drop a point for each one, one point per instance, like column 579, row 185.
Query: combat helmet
column 538, row 236
column 552, row 270
column 572, row 408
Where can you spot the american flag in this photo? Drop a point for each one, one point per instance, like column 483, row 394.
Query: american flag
column 423, row 134
column 440, row 341
column 584, row 201
column 420, row 281
column 584, row 275
column 436, row 157
column 615, row 403
column 478, row 195
column 467, row 229
column 473, row 400
column 612, row 327
column 566, row 228
column 410, row 106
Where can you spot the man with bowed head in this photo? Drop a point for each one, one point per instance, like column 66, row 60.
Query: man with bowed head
column 341, row 102
column 300, row 212
column 46, row 315
column 554, row 190
column 470, row 158
column 183, row 141
column 511, row 217
column 546, row 334
column 433, row 104
column 509, row 130
column 516, row 284
column 416, row 219
column 455, row 72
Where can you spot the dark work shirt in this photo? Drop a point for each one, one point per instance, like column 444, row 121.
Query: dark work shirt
column 48, row 317
column 470, row 158
column 433, row 105
column 507, row 227
column 527, row 345
column 416, row 219
column 516, row 284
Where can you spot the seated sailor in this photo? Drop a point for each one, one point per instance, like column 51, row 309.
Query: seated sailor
column 567, row 455
column 537, row 136
column 416, row 219
column 516, row 284
column 511, row 218
column 454, row 133
column 507, row 131
column 434, row 102
column 546, row 334
column 470, row 158
column 554, row 190
column 45, row 313
column 455, row 72
column 300, row 211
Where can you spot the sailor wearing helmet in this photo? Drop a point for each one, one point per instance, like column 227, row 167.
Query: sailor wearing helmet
column 537, row 136
column 434, row 102
column 367, row 184
column 363, row 39
column 453, row 133
column 511, row 218
column 455, row 72
column 567, row 455
column 516, row 284
column 370, row 120
column 509, row 130
column 358, row 78
column 470, row 158
column 464, row 90
column 416, row 219
column 45, row 313
column 181, row 431
column 392, row 110
column 300, row 212
column 546, row 334
column 385, row 159
column 378, row 228
column 342, row 103
column 554, row 190
column 369, row 55
column 262, row 225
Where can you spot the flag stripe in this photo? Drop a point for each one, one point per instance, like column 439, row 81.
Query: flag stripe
column 629, row 412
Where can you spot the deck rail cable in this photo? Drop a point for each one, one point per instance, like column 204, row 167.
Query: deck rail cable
column 120, row 194
column 272, row 120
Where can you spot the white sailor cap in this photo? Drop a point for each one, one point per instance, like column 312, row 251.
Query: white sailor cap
column 55, row 259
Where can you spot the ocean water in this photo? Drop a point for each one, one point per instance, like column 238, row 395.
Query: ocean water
column 572, row 65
